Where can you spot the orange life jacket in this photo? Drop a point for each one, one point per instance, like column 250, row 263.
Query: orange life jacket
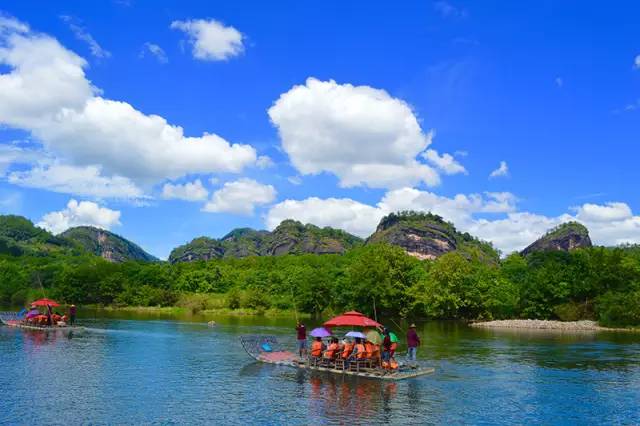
column 368, row 348
column 361, row 353
column 394, row 346
column 346, row 351
column 331, row 350
column 316, row 348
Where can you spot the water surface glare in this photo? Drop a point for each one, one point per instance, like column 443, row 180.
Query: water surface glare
column 162, row 372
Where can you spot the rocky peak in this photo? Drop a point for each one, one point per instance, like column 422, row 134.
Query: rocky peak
column 428, row 236
column 565, row 237
column 108, row 245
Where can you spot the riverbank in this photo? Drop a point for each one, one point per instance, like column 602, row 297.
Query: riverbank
column 529, row 324
column 176, row 310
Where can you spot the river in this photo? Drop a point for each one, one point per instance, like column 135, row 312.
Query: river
column 155, row 370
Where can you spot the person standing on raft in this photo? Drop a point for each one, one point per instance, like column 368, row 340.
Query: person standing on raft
column 72, row 314
column 413, row 341
column 302, row 339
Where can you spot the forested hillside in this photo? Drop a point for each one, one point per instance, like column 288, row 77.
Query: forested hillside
column 597, row 282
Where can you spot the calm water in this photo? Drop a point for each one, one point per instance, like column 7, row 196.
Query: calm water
column 162, row 371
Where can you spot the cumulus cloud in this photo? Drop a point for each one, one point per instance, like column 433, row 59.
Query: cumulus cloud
column 211, row 39
column 155, row 51
column 46, row 92
column 510, row 230
column 85, row 181
column 81, row 34
column 444, row 162
column 360, row 134
column 83, row 213
column 603, row 213
column 352, row 216
column 501, row 171
column 190, row 191
column 240, row 197
column 636, row 63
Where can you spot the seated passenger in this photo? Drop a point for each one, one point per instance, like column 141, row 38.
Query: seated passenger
column 347, row 348
column 359, row 350
column 332, row 350
column 368, row 348
column 317, row 347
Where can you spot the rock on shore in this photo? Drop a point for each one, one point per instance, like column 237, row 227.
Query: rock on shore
column 542, row 325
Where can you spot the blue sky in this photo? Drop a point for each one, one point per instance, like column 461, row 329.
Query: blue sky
column 330, row 113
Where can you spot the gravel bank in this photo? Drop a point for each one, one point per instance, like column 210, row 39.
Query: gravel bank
column 546, row 325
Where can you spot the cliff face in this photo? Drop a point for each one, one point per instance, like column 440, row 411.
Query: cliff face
column 107, row 245
column 567, row 236
column 428, row 236
column 290, row 237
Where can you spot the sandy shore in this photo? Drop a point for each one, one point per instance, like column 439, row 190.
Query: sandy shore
column 547, row 325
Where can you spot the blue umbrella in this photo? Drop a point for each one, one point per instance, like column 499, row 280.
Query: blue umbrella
column 356, row 334
column 320, row 332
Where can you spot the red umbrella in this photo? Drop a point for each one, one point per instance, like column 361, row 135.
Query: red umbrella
column 351, row 319
column 45, row 302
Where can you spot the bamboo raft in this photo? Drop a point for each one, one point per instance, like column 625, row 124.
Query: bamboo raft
column 255, row 346
column 11, row 319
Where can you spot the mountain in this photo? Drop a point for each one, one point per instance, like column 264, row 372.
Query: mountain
column 290, row 237
column 106, row 244
column 243, row 242
column 565, row 237
column 201, row 248
column 19, row 236
column 428, row 236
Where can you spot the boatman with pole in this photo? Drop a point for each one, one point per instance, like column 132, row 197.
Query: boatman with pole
column 413, row 341
column 302, row 339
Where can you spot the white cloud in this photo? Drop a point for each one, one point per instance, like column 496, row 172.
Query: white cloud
column 143, row 147
column 444, row 162
column 155, row 51
column 211, row 39
column 636, row 63
column 264, row 162
column 82, row 35
column 83, row 213
column 190, row 191
column 360, row 134
column 240, row 197
column 502, row 170
column 352, row 216
column 47, row 93
column 84, row 181
column 603, row 213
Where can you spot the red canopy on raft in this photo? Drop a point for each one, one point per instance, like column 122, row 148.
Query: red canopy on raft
column 352, row 319
column 45, row 302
